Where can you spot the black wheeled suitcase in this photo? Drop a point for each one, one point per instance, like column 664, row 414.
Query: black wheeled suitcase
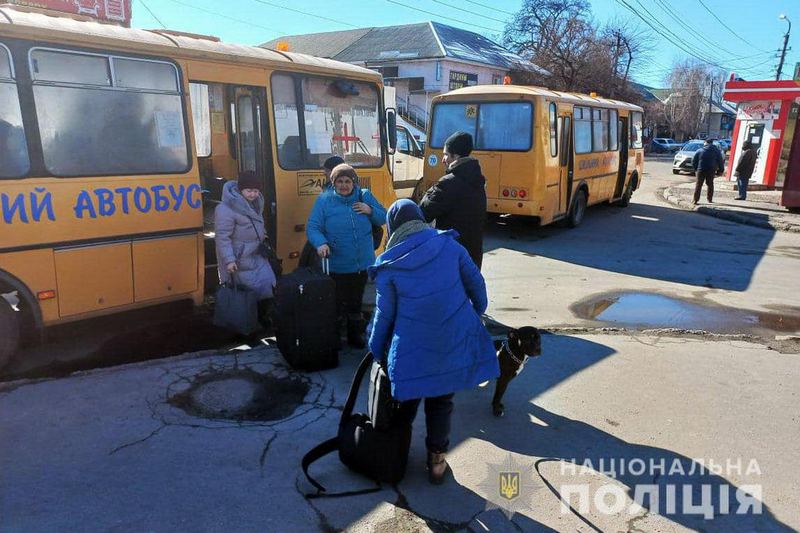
column 305, row 311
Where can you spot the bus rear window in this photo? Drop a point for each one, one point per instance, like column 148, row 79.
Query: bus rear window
column 493, row 126
column 133, row 125
column 14, row 162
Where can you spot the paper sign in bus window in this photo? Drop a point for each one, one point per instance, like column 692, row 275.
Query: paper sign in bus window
column 169, row 126
column 471, row 111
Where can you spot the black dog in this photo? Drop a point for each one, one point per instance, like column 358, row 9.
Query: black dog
column 511, row 354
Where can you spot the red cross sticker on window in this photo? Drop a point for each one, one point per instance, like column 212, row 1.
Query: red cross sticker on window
column 346, row 138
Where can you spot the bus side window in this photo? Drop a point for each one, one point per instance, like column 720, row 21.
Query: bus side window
column 13, row 147
column 613, row 132
column 553, row 131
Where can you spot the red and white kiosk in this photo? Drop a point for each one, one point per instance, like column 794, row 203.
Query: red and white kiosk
column 767, row 116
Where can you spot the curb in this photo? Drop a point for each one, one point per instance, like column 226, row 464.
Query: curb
column 725, row 214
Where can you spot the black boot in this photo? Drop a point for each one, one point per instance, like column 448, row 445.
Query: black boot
column 355, row 331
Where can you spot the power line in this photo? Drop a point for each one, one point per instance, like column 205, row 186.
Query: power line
column 468, row 11
column 240, row 21
column 442, row 16
column 692, row 31
column 153, row 14
column 305, row 13
column 491, row 8
column 728, row 28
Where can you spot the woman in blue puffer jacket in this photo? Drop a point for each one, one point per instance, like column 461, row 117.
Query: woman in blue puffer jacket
column 427, row 325
column 340, row 227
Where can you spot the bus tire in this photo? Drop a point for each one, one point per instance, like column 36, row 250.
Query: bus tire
column 9, row 332
column 578, row 210
column 625, row 200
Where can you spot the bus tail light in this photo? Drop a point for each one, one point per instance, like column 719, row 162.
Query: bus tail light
column 506, row 193
column 523, row 193
column 513, row 193
column 46, row 295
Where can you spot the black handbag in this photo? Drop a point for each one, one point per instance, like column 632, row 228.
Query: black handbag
column 266, row 251
column 379, row 454
column 236, row 308
column 377, row 231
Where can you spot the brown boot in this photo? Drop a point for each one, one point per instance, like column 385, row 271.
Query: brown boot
column 437, row 468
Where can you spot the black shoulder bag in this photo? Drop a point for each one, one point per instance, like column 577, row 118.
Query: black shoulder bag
column 266, row 251
column 380, row 454
column 377, row 231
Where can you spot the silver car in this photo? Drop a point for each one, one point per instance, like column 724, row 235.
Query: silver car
column 683, row 159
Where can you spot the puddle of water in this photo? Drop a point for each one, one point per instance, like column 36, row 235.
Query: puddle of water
column 649, row 310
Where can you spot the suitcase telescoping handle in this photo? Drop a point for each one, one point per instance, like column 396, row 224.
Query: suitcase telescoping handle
column 326, row 266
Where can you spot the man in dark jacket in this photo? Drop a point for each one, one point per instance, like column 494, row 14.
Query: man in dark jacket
column 458, row 200
column 707, row 163
column 744, row 170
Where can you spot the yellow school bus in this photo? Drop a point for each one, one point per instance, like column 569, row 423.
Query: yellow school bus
column 115, row 144
column 545, row 154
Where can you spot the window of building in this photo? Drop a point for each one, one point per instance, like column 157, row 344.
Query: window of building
column 553, row 130
column 493, row 126
column 337, row 117
column 93, row 125
column 583, row 130
column 14, row 161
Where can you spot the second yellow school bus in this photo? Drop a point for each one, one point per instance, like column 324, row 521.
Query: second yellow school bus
column 545, row 154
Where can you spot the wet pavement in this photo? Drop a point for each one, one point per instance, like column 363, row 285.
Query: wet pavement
column 644, row 310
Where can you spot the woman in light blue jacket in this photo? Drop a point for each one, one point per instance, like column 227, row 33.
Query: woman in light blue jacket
column 340, row 227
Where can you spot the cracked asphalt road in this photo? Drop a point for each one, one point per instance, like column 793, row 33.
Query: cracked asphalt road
column 105, row 450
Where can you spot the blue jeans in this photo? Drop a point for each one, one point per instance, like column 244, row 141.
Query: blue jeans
column 742, row 182
column 438, row 411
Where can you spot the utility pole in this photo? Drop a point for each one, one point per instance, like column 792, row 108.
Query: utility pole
column 708, row 115
column 785, row 44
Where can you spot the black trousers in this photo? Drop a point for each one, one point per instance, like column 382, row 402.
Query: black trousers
column 438, row 412
column 708, row 179
column 349, row 292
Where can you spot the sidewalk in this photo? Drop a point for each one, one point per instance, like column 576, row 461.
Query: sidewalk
column 761, row 208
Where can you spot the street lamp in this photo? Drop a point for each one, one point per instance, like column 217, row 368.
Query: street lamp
column 785, row 43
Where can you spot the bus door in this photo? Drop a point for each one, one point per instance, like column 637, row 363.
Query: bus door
column 566, row 162
column 251, row 145
column 623, row 157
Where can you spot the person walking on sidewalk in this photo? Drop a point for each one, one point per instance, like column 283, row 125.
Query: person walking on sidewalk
column 744, row 170
column 458, row 200
column 427, row 326
column 707, row 163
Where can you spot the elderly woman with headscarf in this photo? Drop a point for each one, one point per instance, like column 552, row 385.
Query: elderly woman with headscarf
column 427, row 326
column 340, row 228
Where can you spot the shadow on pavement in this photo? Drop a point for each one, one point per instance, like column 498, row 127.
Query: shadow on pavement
column 648, row 241
column 533, row 431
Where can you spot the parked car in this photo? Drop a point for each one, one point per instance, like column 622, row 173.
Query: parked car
column 683, row 159
column 664, row 145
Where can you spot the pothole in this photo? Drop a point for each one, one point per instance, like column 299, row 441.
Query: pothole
column 242, row 395
column 651, row 310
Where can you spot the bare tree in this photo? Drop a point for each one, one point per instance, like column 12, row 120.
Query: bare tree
column 559, row 36
column 692, row 84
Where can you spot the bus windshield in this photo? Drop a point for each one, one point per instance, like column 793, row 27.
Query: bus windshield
column 493, row 125
column 332, row 117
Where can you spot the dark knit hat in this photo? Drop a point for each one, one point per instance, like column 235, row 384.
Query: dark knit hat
column 400, row 212
column 459, row 143
column 249, row 180
column 332, row 162
column 344, row 170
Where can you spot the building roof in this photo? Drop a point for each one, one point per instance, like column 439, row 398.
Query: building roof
column 426, row 40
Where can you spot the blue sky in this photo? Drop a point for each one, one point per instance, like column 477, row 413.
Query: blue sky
column 748, row 46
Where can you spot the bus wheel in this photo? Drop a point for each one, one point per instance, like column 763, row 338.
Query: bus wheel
column 9, row 332
column 626, row 197
column 578, row 210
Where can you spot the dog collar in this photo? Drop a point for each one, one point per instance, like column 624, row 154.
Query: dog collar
column 507, row 348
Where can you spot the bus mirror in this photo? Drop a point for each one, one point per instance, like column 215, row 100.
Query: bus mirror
column 391, row 126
